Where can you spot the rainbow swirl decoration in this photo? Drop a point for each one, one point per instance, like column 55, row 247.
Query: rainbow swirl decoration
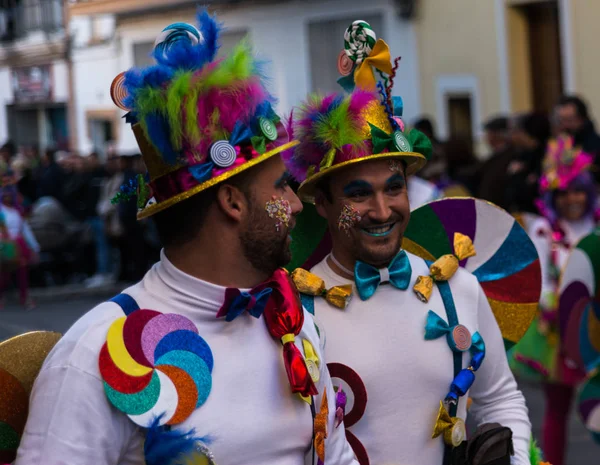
column 579, row 304
column 588, row 405
column 506, row 265
column 155, row 365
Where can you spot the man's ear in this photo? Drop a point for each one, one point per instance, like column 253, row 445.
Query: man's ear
column 232, row 202
column 320, row 203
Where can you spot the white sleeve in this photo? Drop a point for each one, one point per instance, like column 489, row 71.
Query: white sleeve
column 337, row 448
column 30, row 237
column 496, row 398
column 540, row 234
column 71, row 423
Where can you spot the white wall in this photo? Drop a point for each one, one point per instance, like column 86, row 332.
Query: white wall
column 278, row 33
column 60, row 81
column 6, row 97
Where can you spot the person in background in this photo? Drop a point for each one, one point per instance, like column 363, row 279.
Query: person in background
column 493, row 179
column 435, row 169
column 529, row 136
column 53, row 177
column 94, row 179
column 107, row 210
column 462, row 165
column 15, row 229
column 573, row 118
column 7, row 153
column 568, row 205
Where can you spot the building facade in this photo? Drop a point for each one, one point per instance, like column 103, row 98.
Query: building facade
column 300, row 40
column 34, row 74
column 483, row 58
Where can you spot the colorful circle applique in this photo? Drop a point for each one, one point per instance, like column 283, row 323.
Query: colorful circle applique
column 155, row 365
column 459, row 338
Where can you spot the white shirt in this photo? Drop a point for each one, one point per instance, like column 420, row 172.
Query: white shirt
column 16, row 227
column 405, row 376
column 250, row 414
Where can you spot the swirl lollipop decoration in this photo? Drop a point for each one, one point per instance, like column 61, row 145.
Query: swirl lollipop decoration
column 579, row 307
column 155, row 365
column 506, row 263
column 21, row 359
column 223, row 154
column 359, row 40
column 174, row 33
column 588, row 405
column 118, row 92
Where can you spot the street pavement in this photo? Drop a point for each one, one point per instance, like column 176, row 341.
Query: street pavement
column 59, row 312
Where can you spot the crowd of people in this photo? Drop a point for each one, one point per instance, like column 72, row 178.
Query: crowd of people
column 64, row 201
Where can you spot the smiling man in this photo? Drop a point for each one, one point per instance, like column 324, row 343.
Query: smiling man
column 404, row 386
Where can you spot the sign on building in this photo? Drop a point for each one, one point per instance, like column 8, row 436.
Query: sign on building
column 32, row 84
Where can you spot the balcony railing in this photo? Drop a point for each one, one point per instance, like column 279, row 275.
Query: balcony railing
column 20, row 17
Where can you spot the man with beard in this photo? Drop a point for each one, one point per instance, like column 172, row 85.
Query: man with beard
column 186, row 366
column 353, row 161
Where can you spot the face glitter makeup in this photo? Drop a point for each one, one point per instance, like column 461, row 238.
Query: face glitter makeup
column 349, row 217
column 280, row 210
column 395, row 166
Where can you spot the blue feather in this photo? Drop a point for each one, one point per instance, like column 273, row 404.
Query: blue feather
column 159, row 133
column 167, row 447
column 210, row 30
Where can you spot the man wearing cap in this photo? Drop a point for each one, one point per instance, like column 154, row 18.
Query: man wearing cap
column 384, row 342
column 210, row 358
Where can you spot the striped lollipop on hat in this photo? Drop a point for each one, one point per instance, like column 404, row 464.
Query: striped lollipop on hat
column 155, row 365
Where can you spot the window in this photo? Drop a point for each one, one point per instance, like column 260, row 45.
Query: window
column 460, row 121
column 142, row 50
column 325, row 45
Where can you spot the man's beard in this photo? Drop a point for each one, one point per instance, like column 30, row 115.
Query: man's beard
column 263, row 245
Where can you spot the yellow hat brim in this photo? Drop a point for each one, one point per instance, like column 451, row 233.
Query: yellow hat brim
column 414, row 162
column 160, row 206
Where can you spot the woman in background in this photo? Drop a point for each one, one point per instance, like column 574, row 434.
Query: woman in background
column 19, row 246
column 568, row 205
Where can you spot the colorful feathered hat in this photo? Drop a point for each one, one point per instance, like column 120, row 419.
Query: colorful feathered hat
column 197, row 120
column 336, row 131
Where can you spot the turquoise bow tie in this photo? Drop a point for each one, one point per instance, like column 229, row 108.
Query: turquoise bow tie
column 368, row 277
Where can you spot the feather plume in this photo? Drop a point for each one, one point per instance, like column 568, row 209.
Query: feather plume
column 171, row 447
column 535, row 454
column 210, row 29
column 176, row 94
column 323, row 123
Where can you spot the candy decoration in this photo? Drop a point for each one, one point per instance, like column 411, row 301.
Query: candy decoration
column 21, row 359
column 506, row 264
column 268, row 128
column 578, row 308
column 461, row 338
column 223, row 154
column 588, row 405
column 174, row 33
column 401, row 142
column 359, row 40
column 118, row 92
column 453, row 429
column 345, row 65
column 156, row 365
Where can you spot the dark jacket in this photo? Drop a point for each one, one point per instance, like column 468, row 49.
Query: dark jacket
column 493, row 178
column 589, row 140
column 522, row 187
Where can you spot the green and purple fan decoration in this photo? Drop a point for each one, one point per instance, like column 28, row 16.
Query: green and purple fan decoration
column 588, row 405
column 579, row 304
column 506, row 264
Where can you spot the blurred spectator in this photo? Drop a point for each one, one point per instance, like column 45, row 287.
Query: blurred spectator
column 492, row 175
column 24, row 248
column 7, row 152
column 462, row 164
column 529, row 134
column 52, row 176
column 133, row 261
column 435, row 168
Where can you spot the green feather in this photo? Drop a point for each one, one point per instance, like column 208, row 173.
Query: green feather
column 176, row 94
column 191, row 116
column 535, row 454
column 237, row 66
column 150, row 100
column 336, row 128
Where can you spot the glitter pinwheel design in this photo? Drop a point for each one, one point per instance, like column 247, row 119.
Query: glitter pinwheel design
column 156, row 365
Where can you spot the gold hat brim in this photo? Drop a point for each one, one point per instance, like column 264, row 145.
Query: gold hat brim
column 160, row 206
column 414, row 162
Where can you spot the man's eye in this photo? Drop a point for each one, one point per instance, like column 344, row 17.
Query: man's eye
column 396, row 187
column 359, row 194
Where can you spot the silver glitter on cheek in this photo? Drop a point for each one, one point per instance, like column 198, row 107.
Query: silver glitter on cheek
column 349, row 217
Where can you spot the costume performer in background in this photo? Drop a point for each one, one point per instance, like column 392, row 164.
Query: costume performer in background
column 395, row 346
column 19, row 247
column 568, row 205
column 211, row 357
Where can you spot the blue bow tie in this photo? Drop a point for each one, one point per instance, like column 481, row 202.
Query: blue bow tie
column 237, row 302
column 368, row 277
